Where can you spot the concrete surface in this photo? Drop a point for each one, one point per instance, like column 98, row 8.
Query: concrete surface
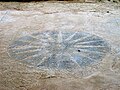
column 23, row 19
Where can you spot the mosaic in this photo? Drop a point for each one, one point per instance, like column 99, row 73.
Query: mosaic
column 59, row 50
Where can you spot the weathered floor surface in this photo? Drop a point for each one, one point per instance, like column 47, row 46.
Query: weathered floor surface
column 59, row 46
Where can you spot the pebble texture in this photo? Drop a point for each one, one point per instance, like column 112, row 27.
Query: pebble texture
column 28, row 28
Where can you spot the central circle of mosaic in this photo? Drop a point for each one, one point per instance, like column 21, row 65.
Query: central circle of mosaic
column 57, row 49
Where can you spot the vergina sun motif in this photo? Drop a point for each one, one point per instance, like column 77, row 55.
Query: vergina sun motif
column 66, row 50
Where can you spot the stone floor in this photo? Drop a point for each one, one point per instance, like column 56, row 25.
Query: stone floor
column 76, row 32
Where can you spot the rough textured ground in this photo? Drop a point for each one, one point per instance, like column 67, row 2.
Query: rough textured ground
column 21, row 19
